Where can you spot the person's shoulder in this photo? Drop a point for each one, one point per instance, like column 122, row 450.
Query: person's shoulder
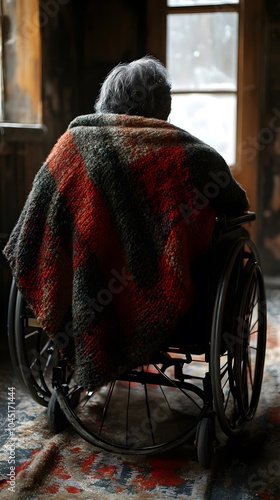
column 89, row 120
column 198, row 148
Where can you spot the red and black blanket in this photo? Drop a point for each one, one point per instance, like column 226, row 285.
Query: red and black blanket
column 104, row 247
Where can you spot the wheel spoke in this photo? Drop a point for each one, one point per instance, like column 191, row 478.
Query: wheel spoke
column 149, row 414
column 108, row 399
column 180, row 388
column 47, row 364
column 178, row 423
column 31, row 334
column 127, row 411
column 226, row 381
column 224, row 370
column 85, row 399
column 248, row 364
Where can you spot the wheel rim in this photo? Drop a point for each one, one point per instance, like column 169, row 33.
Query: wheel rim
column 226, row 362
column 152, row 412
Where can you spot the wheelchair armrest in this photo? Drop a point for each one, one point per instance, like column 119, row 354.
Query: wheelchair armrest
column 229, row 222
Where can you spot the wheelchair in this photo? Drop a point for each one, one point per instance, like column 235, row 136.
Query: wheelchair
column 187, row 388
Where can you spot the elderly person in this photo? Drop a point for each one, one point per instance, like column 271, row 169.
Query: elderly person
column 119, row 215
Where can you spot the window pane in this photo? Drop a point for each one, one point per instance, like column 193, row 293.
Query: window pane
column 202, row 51
column 211, row 118
column 191, row 3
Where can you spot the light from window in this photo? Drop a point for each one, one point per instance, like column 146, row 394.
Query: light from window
column 202, row 52
column 210, row 117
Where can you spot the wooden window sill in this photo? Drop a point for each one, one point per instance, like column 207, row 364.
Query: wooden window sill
column 22, row 132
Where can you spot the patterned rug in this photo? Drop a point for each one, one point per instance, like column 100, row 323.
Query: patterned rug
column 65, row 466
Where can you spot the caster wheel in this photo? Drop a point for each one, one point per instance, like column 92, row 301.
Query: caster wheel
column 205, row 437
column 56, row 419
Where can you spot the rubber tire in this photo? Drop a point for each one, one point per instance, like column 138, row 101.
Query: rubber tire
column 205, row 437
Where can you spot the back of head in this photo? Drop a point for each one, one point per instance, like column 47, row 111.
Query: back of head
column 141, row 87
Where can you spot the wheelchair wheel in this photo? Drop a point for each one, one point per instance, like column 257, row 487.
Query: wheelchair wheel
column 149, row 410
column 33, row 353
column 238, row 338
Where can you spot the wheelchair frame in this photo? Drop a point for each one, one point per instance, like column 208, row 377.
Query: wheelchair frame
column 165, row 403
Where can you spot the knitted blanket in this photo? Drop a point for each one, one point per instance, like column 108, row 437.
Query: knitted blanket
column 103, row 251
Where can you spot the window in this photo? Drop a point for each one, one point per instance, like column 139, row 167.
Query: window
column 202, row 58
column 20, row 73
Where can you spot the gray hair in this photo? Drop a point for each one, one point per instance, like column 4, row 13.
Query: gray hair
column 141, row 87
